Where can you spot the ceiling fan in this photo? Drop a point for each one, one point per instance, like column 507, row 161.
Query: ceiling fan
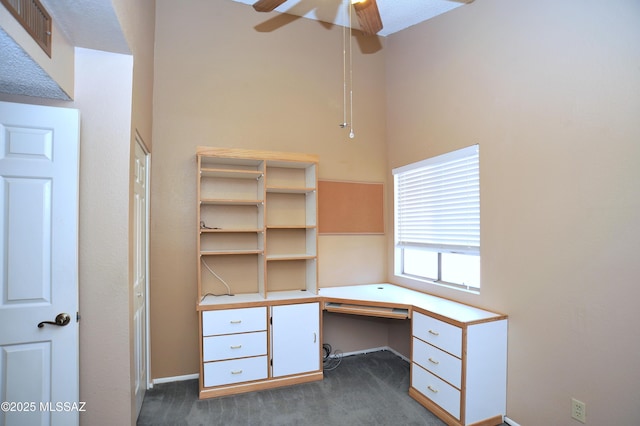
column 366, row 12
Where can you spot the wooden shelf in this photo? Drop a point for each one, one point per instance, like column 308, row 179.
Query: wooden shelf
column 231, row 173
column 277, row 257
column 229, row 252
column 289, row 190
column 225, row 299
column 229, row 202
column 230, row 231
column 291, row 226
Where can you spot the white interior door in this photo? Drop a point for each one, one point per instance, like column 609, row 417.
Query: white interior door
column 295, row 338
column 140, row 233
column 39, row 265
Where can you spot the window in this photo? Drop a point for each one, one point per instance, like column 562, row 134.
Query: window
column 437, row 219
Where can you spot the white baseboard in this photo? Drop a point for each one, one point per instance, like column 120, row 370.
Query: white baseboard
column 398, row 354
column 370, row 350
column 175, row 378
column 510, row 422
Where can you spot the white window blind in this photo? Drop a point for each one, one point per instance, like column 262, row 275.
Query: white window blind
column 437, row 203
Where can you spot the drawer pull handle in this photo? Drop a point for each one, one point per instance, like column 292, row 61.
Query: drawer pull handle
column 315, row 337
column 235, row 321
column 432, row 389
column 236, row 346
column 237, row 372
column 433, row 361
column 435, row 333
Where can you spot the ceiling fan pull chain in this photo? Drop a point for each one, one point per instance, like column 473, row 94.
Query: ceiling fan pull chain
column 344, row 78
column 351, row 133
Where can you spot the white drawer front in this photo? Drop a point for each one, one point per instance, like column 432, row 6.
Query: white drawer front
column 235, row 371
column 445, row 336
column 229, row 346
column 230, row 321
column 442, row 364
column 443, row 394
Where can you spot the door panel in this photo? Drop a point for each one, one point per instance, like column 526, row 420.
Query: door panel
column 27, row 222
column 38, row 262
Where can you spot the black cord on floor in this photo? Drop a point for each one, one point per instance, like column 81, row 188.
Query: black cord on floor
column 331, row 361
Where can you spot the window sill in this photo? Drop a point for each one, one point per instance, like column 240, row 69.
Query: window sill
column 442, row 284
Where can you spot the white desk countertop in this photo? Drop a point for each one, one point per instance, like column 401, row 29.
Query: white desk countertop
column 392, row 294
column 381, row 294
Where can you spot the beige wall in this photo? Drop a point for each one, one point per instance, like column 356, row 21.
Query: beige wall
column 221, row 82
column 551, row 92
column 103, row 95
column 114, row 95
column 137, row 19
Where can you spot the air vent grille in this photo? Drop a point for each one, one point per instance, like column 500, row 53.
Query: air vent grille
column 34, row 18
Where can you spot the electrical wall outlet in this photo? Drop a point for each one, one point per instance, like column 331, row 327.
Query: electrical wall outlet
column 578, row 410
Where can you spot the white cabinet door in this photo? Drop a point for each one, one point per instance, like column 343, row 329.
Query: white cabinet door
column 295, row 339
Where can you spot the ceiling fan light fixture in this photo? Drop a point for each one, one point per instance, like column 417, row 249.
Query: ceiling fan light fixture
column 267, row 5
column 368, row 16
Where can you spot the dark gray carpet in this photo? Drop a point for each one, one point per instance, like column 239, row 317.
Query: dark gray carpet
column 368, row 389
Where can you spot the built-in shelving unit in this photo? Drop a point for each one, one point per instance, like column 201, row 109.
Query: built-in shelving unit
column 257, row 219
column 259, row 316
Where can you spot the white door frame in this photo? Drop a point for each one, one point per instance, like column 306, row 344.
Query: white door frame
column 146, row 290
column 140, row 143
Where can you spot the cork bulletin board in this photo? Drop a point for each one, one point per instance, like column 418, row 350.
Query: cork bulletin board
column 350, row 207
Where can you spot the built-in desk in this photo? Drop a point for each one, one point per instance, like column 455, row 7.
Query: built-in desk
column 458, row 352
column 392, row 296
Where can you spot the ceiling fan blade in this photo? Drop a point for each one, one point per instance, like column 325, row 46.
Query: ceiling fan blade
column 267, row 5
column 368, row 16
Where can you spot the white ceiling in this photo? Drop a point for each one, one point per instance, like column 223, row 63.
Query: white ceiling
column 396, row 14
column 91, row 24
